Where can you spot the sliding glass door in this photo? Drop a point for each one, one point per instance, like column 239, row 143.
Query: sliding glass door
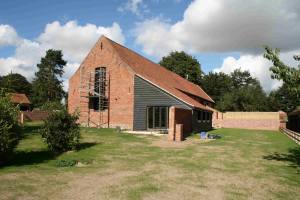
column 157, row 117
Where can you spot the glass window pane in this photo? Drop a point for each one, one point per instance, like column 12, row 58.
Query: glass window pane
column 163, row 117
column 198, row 115
column 150, row 117
column 156, row 117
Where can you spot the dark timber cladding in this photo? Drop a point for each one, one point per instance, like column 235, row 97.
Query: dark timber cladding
column 147, row 94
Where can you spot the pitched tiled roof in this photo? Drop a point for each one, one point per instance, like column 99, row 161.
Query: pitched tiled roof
column 161, row 77
column 19, row 98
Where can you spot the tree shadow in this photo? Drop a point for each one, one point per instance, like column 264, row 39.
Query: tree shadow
column 85, row 145
column 293, row 156
column 29, row 130
column 21, row 158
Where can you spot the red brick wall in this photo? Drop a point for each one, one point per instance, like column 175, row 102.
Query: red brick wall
column 249, row 120
column 34, row 115
column 121, row 80
column 179, row 116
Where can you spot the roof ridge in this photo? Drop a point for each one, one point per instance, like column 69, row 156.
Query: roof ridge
column 158, row 65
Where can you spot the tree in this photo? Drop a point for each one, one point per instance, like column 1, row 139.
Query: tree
column 47, row 86
column 246, row 94
column 216, row 85
column 14, row 82
column 9, row 129
column 283, row 99
column 280, row 71
column 184, row 65
column 243, row 79
column 243, row 99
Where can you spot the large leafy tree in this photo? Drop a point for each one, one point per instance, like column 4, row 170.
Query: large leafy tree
column 283, row 99
column 47, row 84
column 245, row 94
column 216, row 85
column 184, row 65
column 14, row 82
column 243, row 79
column 280, row 71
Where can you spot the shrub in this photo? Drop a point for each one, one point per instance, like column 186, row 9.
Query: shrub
column 9, row 129
column 61, row 131
column 52, row 106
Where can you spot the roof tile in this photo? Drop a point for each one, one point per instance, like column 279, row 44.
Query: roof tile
column 162, row 77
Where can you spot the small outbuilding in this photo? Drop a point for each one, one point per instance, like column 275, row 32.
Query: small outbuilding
column 21, row 100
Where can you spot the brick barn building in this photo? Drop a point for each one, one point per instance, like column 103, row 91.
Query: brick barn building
column 115, row 86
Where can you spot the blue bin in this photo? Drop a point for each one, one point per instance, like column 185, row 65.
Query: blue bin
column 203, row 135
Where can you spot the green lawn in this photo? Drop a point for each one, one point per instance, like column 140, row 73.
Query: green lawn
column 243, row 164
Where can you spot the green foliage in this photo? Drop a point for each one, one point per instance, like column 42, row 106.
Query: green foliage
column 52, row 106
column 243, row 79
column 9, row 129
column 47, row 85
column 280, row 71
column 216, row 85
column 243, row 99
column 283, row 99
column 16, row 83
column 184, row 65
column 238, row 91
column 61, row 131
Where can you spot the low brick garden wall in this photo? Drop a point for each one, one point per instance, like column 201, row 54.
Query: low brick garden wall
column 180, row 123
column 34, row 115
column 250, row 120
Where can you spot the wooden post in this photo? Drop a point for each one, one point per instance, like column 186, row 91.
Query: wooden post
column 171, row 131
column 22, row 118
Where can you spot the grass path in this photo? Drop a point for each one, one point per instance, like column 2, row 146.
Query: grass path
column 244, row 164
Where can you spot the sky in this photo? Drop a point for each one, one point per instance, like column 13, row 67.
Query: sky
column 222, row 34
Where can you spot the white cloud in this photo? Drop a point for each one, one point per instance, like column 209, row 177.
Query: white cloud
column 224, row 26
column 258, row 67
column 158, row 42
column 133, row 6
column 228, row 26
column 8, row 36
column 74, row 40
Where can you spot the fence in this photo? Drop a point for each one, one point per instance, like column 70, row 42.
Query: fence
column 33, row 116
column 291, row 134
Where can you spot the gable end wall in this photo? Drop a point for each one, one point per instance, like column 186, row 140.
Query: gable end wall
column 120, row 112
column 146, row 94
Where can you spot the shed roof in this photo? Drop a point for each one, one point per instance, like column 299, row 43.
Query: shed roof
column 19, row 98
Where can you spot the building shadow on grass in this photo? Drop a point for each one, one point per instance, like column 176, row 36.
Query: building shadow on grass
column 293, row 156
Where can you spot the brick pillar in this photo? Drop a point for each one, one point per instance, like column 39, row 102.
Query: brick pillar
column 171, row 131
column 179, row 132
column 282, row 119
